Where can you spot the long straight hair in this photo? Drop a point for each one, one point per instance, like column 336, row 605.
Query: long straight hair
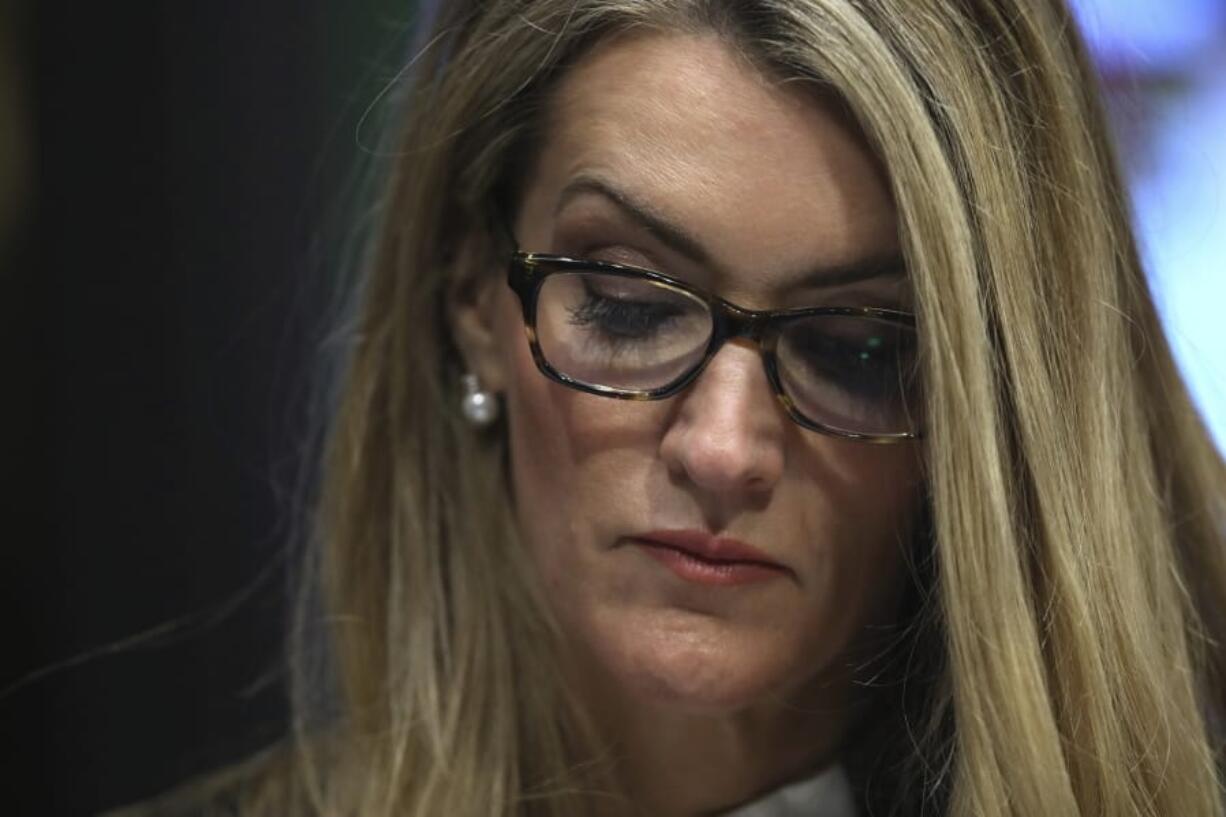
column 1074, row 579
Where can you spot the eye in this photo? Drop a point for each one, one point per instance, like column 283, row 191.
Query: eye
column 622, row 311
column 861, row 356
column 594, row 318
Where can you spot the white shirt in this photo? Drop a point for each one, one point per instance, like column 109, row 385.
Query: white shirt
column 826, row 795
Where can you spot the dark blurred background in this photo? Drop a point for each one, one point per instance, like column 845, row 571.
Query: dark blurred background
column 178, row 188
column 183, row 185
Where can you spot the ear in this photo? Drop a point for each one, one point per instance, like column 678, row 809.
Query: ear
column 473, row 301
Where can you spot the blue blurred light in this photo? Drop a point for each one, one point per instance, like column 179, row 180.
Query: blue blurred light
column 1149, row 34
column 1180, row 206
column 1177, row 169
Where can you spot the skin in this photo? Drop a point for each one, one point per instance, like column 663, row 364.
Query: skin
column 709, row 695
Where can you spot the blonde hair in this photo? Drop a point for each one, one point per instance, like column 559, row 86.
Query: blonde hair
column 1074, row 609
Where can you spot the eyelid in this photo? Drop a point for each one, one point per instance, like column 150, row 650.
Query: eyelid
column 624, row 255
column 612, row 239
column 617, row 254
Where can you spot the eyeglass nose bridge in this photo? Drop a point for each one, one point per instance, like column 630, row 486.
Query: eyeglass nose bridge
column 730, row 322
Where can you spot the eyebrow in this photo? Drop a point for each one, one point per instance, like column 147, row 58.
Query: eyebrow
column 828, row 276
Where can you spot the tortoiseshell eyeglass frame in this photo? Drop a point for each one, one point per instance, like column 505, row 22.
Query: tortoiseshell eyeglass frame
column 528, row 272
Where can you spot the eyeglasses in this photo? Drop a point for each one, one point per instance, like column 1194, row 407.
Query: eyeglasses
column 633, row 334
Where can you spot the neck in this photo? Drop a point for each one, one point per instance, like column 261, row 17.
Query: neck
column 673, row 762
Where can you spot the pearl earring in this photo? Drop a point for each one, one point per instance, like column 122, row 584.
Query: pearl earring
column 479, row 406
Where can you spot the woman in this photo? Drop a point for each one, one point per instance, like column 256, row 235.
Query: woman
column 903, row 508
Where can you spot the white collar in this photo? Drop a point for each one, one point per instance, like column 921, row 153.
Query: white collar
column 826, row 795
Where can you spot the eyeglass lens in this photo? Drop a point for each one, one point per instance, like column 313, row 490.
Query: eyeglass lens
column 621, row 332
column 853, row 373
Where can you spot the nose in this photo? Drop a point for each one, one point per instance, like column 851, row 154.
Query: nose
column 726, row 436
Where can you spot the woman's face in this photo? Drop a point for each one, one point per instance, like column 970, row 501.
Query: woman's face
column 652, row 138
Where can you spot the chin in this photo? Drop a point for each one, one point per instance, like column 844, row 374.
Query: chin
column 708, row 668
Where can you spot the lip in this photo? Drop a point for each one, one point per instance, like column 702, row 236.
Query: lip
column 702, row 558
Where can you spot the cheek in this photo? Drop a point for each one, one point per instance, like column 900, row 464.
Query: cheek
column 872, row 489
column 579, row 470
column 865, row 501
column 540, row 450
column 539, row 446
column 571, row 453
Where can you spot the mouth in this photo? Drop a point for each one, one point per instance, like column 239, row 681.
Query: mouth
column 698, row 557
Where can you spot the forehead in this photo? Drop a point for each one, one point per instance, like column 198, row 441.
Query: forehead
column 761, row 170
